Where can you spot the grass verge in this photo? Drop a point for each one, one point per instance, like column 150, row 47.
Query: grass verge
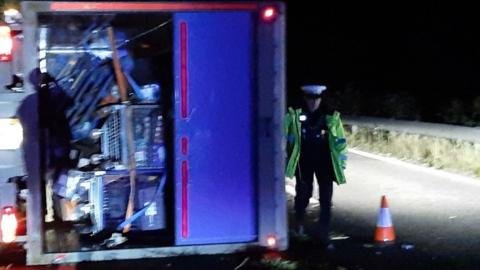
column 441, row 153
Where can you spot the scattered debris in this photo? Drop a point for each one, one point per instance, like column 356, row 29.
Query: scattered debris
column 242, row 264
column 407, row 247
column 115, row 240
column 59, row 259
column 339, row 237
column 280, row 264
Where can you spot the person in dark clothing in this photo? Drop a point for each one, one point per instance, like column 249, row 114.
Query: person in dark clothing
column 314, row 159
column 311, row 134
column 27, row 114
column 43, row 118
column 53, row 103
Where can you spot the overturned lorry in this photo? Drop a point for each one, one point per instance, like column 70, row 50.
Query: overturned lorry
column 151, row 129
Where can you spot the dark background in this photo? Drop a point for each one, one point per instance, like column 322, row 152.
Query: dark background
column 406, row 61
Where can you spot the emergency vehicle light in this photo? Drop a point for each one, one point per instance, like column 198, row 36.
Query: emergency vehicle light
column 8, row 224
column 6, row 43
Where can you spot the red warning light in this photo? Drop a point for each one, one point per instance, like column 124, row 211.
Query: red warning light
column 269, row 13
column 271, row 241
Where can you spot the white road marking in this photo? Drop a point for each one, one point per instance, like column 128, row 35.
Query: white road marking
column 290, row 183
column 432, row 171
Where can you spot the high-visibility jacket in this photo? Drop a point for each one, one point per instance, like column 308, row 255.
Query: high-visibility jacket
column 336, row 141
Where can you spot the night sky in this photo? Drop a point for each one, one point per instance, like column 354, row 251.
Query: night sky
column 429, row 52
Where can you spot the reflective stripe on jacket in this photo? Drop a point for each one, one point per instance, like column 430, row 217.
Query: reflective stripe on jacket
column 336, row 140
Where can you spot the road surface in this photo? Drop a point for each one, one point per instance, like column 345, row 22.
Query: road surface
column 435, row 214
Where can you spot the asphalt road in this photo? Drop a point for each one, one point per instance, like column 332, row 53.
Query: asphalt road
column 435, row 216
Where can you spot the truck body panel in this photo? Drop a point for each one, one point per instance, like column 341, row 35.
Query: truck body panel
column 224, row 112
column 214, row 111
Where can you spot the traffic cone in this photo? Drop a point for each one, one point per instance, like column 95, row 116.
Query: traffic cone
column 384, row 232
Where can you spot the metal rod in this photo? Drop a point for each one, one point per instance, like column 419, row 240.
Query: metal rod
column 122, row 87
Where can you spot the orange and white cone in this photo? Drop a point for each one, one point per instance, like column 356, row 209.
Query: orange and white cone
column 384, row 233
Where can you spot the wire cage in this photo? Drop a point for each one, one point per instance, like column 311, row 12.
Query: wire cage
column 147, row 127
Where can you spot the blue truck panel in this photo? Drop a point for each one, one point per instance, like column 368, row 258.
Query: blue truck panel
column 214, row 172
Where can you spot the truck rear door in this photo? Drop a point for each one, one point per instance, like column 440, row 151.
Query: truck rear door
column 215, row 183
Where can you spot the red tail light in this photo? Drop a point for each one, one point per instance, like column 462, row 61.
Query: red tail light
column 272, row 241
column 8, row 224
column 6, row 43
column 269, row 13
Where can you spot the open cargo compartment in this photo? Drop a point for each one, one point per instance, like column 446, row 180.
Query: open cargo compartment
column 86, row 151
column 196, row 151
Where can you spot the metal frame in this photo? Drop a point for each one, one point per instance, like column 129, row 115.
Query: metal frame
column 271, row 143
column 271, row 198
column 11, row 160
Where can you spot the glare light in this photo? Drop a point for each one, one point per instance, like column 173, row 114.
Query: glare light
column 6, row 43
column 11, row 134
column 5, row 58
column 269, row 14
column 4, row 30
column 271, row 241
column 11, row 12
column 8, row 225
column 12, row 16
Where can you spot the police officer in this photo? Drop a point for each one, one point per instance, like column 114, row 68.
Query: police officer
column 316, row 145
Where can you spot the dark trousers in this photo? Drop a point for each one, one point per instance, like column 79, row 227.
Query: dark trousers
column 304, row 185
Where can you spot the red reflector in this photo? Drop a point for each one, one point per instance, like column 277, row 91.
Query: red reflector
column 184, row 199
column 184, row 145
column 8, row 224
column 269, row 13
column 183, row 71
